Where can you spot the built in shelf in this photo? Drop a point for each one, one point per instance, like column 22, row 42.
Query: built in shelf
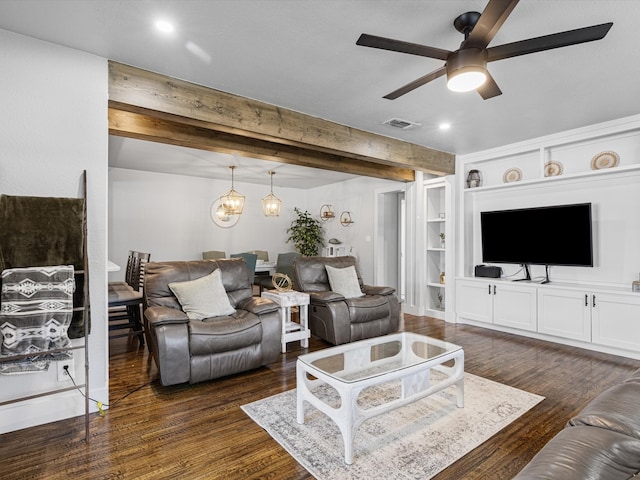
column 558, row 178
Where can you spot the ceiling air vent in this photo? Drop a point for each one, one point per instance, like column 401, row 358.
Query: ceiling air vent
column 399, row 123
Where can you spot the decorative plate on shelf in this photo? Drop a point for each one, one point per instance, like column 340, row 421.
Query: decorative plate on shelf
column 552, row 169
column 606, row 159
column 512, row 175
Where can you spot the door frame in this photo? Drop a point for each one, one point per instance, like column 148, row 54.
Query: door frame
column 383, row 227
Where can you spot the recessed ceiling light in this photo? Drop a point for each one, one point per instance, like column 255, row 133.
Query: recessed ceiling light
column 444, row 126
column 164, row 26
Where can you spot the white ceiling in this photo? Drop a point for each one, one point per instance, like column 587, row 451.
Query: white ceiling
column 302, row 55
column 162, row 158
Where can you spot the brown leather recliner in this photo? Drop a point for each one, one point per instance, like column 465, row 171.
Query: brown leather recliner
column 340, row 320
column 197, row 350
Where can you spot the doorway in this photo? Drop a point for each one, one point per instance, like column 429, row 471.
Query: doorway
column 390, row 240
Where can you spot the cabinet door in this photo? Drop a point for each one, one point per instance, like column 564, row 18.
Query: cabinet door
column 514, row 306
column 474, row 301
column 564, row 313
column 616, row 320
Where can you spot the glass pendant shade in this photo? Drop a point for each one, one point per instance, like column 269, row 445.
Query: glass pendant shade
column 232, row 202
column 271, row 204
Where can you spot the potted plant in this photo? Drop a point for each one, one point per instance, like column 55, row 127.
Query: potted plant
column 442, row 235
column 305, row 233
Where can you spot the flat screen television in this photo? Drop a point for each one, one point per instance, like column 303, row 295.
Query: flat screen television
column 553, row 235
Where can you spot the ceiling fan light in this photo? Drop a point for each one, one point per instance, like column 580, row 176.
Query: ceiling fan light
column 466, row 69
column 465, row 81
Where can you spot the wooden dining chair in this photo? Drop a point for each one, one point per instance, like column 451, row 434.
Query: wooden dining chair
column 262, row 255
column 125, row 298
column 251, row 260
column 284, row 264
column 213, row 254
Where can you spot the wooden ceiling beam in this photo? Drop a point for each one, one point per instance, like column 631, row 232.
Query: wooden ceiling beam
column 147, row 127
column 154, row 95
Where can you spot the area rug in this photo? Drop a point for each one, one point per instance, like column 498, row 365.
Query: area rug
column 412, row 442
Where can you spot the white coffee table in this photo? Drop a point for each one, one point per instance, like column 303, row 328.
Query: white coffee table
column 350, row 368
column 292, row 331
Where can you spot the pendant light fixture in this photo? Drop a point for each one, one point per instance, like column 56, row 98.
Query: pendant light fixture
column 271, row 204
column 232, row 202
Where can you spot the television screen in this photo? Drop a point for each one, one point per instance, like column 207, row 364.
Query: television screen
column 555, row 235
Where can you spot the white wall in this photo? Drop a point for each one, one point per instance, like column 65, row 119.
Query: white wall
column 357, row 196
column 615, row 225
column 613, row 194
column 53, row 126
column 168, row 216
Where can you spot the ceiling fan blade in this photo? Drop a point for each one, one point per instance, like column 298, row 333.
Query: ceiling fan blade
column 416, row 83
column 548, row 42
column 384, row 43
column 489, row 88
column 492, row 18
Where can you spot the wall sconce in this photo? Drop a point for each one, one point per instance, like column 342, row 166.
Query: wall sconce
column 345, row 219
column 326, row 212
column 271, row 204
column 232, row 201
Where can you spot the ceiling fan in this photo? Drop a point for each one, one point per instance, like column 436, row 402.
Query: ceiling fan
column 466, row 68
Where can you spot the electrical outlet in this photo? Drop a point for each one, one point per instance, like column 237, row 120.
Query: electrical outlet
column 62, row 374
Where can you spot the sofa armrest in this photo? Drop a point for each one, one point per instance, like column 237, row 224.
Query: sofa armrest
column 168, row 329
column 164, row 316
column 581, row 453
column 614, row 409
column 324, row 297
column 258, row 305
column 371, row 290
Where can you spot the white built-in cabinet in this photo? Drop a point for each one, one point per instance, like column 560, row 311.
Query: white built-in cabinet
column 615, row 320
column 438, row 236
column 599, row 317
column 565, row 313
column 591, row 307
column 498, row 303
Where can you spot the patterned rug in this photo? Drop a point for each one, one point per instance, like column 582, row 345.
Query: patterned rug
column 412, row 442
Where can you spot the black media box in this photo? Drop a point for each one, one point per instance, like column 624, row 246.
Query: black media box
column 488, row 271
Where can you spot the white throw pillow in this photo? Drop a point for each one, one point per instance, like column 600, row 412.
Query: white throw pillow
column 344, row 281
column 203, row 297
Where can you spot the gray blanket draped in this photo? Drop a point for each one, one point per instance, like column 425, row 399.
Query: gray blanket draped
column 36, row 306
column 44, row 231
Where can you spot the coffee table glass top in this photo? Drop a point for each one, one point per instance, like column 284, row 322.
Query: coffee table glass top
column 369, row 358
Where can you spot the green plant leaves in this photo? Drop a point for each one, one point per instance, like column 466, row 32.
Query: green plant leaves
column 305, row 233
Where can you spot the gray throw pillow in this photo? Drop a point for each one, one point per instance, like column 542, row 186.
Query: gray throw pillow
column 344, row 281
column 203, row 297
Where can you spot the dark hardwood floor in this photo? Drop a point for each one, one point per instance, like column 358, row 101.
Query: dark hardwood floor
column 200, row 432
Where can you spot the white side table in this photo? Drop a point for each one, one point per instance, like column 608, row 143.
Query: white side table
column 292, row 331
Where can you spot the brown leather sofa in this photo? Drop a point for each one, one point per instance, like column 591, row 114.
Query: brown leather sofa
column 601, row 442
column 337, row 319
column 187, row 350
